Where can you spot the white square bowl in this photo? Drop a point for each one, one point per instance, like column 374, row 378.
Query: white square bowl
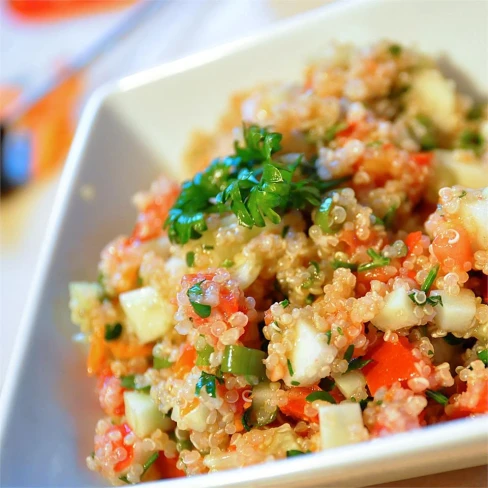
column 137, row 128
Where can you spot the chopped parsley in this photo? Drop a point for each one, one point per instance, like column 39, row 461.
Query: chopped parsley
column 483, row 355
column 395, row 50
column 349, row 352
column 463, row 194
column 145, row 467
column 249, row 184
column 207, row 247
column 310, row 299
column 295, row 452
column 128, row 382
column 200, row 309
column 320, row 395
column 112, row 332
column 228, row 263
column 203, row 356
column 207, row 381
column 428, row 139
column 308, row 283
column 469, row 139
column 438, row 397
column 285, row 230
column 426, row 286
column 190, row 259
column 246, row 418
column 339, row 331
column 475, row 112
column 433, row 300
column 377, row 261
column 389, row 217
column 374, row 144
column 429, row 281
column 328, row 334
column 295, row 383
column 358, row 363
column 285, row 303
column 290, row 367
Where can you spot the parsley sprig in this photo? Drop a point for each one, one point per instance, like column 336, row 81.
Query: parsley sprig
column 248, row 183
column 377, row 261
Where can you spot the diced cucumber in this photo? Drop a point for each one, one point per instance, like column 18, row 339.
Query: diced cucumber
column 352, row 384
column 397, row 312
column 283, row 439
column 340, row 424
column 195, row 419
column 246, row 269
column 149, row 317
column 309, row 354
column 261, row 411
column 457, row 312
column 143, row 415
column 84, row 297
column 473, row 210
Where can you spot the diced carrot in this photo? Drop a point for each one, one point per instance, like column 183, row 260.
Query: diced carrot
column 185, row 362
column 297, row 403
column 167, row 467
column 97, row 355
column 459, row 249
column 124, row 350
column 412, row 240
column 422, row 158
column 348, row 131
column 392, row 362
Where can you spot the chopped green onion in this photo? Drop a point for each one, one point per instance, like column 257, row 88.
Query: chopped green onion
column 285, row 303
column 322, row 216
column 190, row 259
column 349, row 352
column 203, row 356
column 395, row 50
column 240, row 360
column 200, row 309
column 161, row 363
column 149, row 463
column 320, row 395
column 112, row 332
column 295, row 452
column 295, row 383
column 483, row 355
column 438, row 397
column 342, row 264
column 429, row 281
column 290, row 367
column 228, row 263
column 207, row 381
column 377, row 261
column 206, row 247
column 389, row 217
column 129, row 383
column 358, row 363
column 285, row 230
column 452, row 340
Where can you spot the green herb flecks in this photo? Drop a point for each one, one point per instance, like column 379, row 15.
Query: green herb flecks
column 471, row 140
column 349, row 352
column 295, row 452
column 428, row 137
column 328, row 334
column 377, row 261
column 246, row 420
column 295, row 383
column 320, row 395
column 203, row 355
column 290, row 367
column 285, row 230
column 200, row 309
column 389, row 217
column 395, row 50
column 284, row 303
column 358, row 363
column 228, row 263
column 190, row 259
column 438, row 397
column 207, row 381
column 332, row 132
column 309, row 282
column 112, row 332
column 429, row 281
column 336, row 264
column 483, row 355
column 475, row 112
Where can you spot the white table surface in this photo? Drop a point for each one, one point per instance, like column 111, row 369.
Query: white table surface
column 24, row 215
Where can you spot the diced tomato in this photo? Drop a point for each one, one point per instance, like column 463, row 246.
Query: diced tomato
column 105, row 439
column 167, row 467
column 460, row 250
column 463, row 409
column 297, row 402
column 392, row 362
column 412, row 240
column 348, row 131
column 422, row 158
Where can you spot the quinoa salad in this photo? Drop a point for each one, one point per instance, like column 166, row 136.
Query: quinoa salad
column 320, row 281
